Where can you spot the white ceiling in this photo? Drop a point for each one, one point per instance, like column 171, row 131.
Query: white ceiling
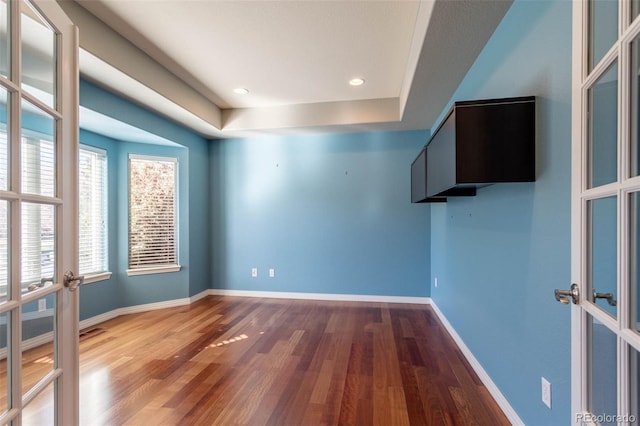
column 183, row 58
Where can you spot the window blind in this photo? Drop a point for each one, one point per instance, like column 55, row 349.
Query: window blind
column 152, row 212
column 93, row 239
column 38, row 220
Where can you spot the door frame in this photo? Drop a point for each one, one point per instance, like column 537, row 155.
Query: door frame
column 623, row 325
column 65, row 375
column 576, row 208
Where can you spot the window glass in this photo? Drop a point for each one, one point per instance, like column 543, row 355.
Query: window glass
column 38, row 245
column 93, row 246
column 603, row 275
column 38, row 152
column 152, row 212
column 602, row 400
column 38, row 56
column 4, row 39
column 603, row 129
column 603, row 20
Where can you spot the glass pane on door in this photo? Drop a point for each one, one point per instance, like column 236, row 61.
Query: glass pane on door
column 634, row 257
column 603, row 129
column 4, row 382
column 4, row 39
column 4, row 251
column 603, row 215
column 603, row 399
column 603, row 23
column 634, row 414
column 38, row 159
column 38, row 246
column 40, row 411
column 38, row 322
column 38, row 56
column 4, row 148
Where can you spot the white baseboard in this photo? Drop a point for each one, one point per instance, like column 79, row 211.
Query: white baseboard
column 477, row 367
column 90, row 322
column 199, row 296
column 321, row 296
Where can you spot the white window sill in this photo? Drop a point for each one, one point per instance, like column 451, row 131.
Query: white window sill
column 93, row 278
column 153, row 270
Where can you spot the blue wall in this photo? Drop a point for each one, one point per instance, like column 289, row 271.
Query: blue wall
column 193, row 213
column 121, row 290
column 330, row 213
column 196, row 234
column 141, row 289
column 103, row 296
column 499, row 256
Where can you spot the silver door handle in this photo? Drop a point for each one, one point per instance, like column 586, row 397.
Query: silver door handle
column 36, row 285
column 563, row 296
column 608, row 296
column 72, row 281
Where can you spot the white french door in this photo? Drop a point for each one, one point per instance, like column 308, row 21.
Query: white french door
column 605, row 321
column 38, row 214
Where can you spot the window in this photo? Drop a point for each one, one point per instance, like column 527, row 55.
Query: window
column 152, row 215
column 37, row 244
column 93, row 244
column 38, row 220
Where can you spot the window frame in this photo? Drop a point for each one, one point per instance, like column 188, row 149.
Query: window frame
column 160, row 267
column 95, row 276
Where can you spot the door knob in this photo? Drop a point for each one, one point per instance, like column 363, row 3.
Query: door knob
column 563, row 296
column 72, row 281
column 608, row 296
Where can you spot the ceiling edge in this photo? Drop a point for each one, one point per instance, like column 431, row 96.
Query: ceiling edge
column 312, row 115
column 109, row 47
column 419, row 33
column 447, row 55
column 118, row 82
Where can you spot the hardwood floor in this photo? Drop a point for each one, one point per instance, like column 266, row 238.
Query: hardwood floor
column 225, row 360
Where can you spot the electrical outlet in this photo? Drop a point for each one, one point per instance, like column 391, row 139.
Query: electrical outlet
column 42, row 305
column 254, row 272
column 272, row 273
column 435, row 282
column 546, row 392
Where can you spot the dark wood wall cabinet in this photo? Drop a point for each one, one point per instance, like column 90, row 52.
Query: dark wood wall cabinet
column 479, row 143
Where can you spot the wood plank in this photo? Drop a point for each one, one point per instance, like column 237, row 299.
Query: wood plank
column 226, row 360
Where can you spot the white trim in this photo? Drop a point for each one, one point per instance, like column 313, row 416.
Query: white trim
column 153, row 270
column 477, row 367
column 321, row 296
column 93, row 149
column 32, row 343
column 133, row 310
column 92, row 278
column 199, row 296
column 90, row 322
column 578, row 161
column 154, row 158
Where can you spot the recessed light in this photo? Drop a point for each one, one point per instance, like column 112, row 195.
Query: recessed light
column 356, row 82
column 240, row 91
